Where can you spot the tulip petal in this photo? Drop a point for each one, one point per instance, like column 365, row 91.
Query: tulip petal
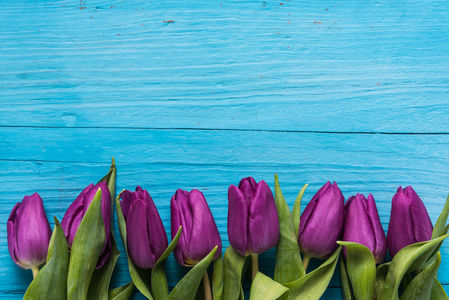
column 263, row 225
column 358, row 227
column 324, row 224
column 310, row 207
column 238, row 211
column 204, row 234
column 73, row 225
column 33, row 231
column 422, row 225
column 400, row 229
column 138, row 236
column 125, row 204
column 248, row 187
column 156, row 230
column 380, row 247
column 12, row 235
column 68, row 223
column 177, row 220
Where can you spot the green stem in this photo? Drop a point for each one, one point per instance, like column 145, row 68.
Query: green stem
column 255, row 265
column 35, row 270
column 206, row 285
column 305, row 261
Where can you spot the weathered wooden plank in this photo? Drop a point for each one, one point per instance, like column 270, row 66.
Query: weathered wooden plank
column 251, row 65
column 59, row 163
column 307, row 66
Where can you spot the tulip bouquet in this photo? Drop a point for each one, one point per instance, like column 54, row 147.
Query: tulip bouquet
column 76, row 260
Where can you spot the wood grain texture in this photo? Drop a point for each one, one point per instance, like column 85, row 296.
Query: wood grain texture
column 305, row 66
column 200, row 94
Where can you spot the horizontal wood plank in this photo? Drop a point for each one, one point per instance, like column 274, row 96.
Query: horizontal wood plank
column 59, row 163
column 304, row 66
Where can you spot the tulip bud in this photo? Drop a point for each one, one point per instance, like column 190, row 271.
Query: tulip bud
column 253, row 223
column 28, row 233
column 145, row 233
column 76, row 211
column 409, row 221
column 199, row 232
column 321, row 223
column 362, row 225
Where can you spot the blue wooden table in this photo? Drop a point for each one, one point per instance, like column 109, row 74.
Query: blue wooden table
column 198, row 94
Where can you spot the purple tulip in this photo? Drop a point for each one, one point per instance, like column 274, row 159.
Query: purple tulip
column 76, row 211
column 409, row 221
column 199, row 232
column 253, row 224
column 362, row 225
column 322, row 222
column 145, row 233
column 28, row 233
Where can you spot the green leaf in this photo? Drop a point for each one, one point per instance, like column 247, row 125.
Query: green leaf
column 408, row 259
column 110, row 179
column 86, row 248
column 217, row 279
column 421, row 286
column 159, row 284
column 140, row 277
column 122, row 292
column 99, row 285
column 297, row 210
column 263, row 287
column 438, row 230
column 288, row 265
column 361, row 269
column 312, row 285
column 187, row 288
column 345, row 284
column 233, row 267
column 381, row 275
column 51, row 281
column 438, row 292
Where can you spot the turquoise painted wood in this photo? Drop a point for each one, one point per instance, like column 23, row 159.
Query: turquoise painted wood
column 200, row 94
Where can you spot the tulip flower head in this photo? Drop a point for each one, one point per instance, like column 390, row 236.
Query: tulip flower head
column 362, row 225
column 321, row 222
column 28, row 233
column 199, row 233
column 145, row 233
column 253, row 223
column 409, row 221
column 76, row 211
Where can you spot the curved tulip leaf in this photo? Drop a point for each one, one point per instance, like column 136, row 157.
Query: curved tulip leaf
column 361, row 269
column 86, row 249
column 99, row 286
column 312, row 285
column 159, row 284
column 110, row 179
column 233, row 268
column 140, row 277
column 51, row 281
column 217, row 279
column 409, row 259
column 296, row 213
column 421, row 286
column 187, row 288
column 263, row 287
column 438, row 230
column 345, row 285
column 438, row 292
column 381, row 275
column 122, row 292
column 288, row 265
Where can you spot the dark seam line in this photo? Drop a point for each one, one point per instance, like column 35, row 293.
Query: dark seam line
column 229, row 129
